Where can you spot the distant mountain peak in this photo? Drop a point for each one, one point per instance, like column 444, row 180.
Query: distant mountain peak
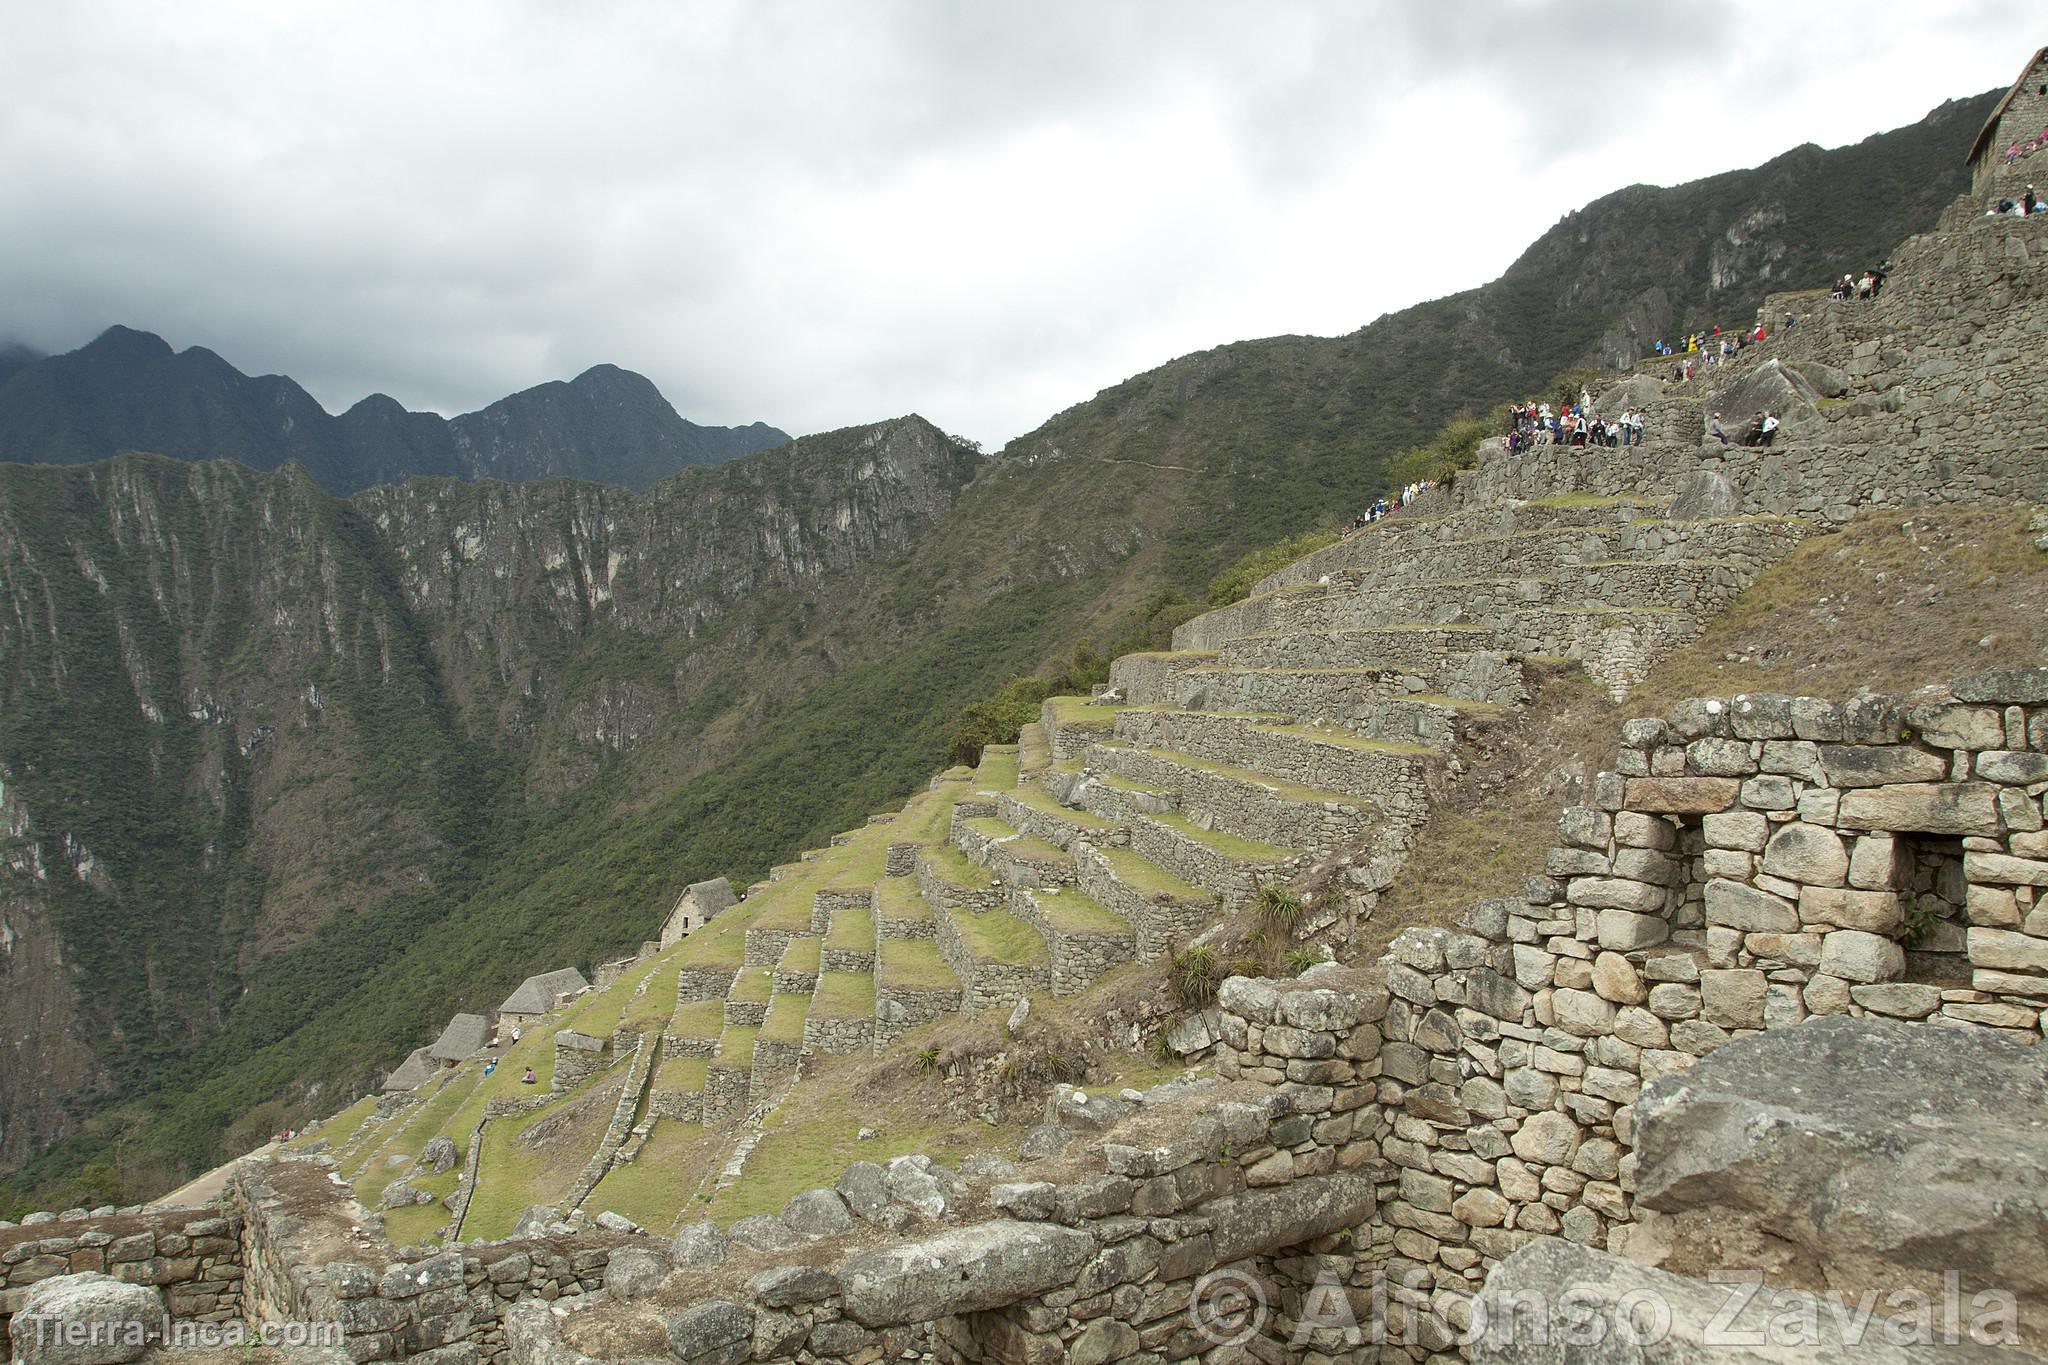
column 129, row 390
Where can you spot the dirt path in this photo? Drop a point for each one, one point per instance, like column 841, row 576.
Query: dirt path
column 208, row 1187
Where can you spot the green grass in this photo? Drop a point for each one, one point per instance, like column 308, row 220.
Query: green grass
column 927, row 817
column 512, row 1175
column 1075, row 913
column 653, row 1187
column 853, row 930
column 998, row 770
column 810, row 1153
column 1285, row 790
column 951, row 865
column 899, row 898
column 801, row 955
column 915, row 962
column 1346, row 739
column 845, row 995
column 699, row 1019
column 1080, row 711
column 429, row 1120
column 682, row 1075
column 343, row 1126
column 998, row 936
column 752, row 986
column 654, row 1004
column 1039, row 799
column 1229, row 845
column 1033, row 751
column 785, row 1021
column 418, row 1224
column 1149, row 880
column 736, row 1047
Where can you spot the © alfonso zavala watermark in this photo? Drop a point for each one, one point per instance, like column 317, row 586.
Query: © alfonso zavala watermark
column 1231, row 1305
column 51, row 1331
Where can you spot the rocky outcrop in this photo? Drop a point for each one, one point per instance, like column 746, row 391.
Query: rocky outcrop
column 1854, row 1154
column 86, row 1319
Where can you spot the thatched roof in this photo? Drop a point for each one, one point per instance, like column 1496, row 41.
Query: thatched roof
column 712, row 896
column 537, row 994
column 415, row 1071
column 462, row 1038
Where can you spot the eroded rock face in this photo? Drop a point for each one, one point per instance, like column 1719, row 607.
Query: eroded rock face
column 85, row 1319
column 1855, row 1153
column 1554, row 1302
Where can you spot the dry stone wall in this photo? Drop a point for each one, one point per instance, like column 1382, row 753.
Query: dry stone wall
column 193, row 1256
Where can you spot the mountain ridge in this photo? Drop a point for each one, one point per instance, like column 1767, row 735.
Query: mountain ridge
column 130, row 390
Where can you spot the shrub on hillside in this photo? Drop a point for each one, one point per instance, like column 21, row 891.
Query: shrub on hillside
column 1234, row 584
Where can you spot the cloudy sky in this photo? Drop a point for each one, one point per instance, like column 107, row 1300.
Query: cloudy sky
column 821, row 213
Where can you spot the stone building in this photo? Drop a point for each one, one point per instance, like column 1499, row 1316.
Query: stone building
column 2020, row 118
column 537, row 996
column 695, row 908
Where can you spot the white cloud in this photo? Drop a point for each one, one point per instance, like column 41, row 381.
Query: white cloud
column 816, row 215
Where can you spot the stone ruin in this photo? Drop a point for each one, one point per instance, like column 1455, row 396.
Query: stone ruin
column 1777, row 1004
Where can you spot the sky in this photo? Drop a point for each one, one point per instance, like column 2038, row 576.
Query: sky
column 819, row 214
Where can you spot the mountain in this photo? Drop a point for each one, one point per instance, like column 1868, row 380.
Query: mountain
column 128, row 390
column 14, row 356
column 286, row 777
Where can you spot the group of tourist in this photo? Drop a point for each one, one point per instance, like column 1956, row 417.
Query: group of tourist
column 1762, row 431
column 1708, row 342
column 2027, row 147
column 1381, row 508
column 1572, row 424
column 1869, row 286
column 2027, row 203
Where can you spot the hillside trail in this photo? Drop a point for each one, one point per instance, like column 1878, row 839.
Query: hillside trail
column 208, row 1188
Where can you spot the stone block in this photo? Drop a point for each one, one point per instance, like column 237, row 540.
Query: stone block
column 1744, row 830
column 1624, row 931
column 1615, row 893
column 2005, row 950
column 1877, row 912
column 1682, row 795
column 1716, row 757
column 1734, row 997
column 1736, row 906
column 2004, row 869
column 1961, row 808
column 1807, row 853
column 1857, row 956
column 2016, row 769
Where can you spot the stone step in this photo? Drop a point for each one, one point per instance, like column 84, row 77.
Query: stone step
column 1429, row 651
column 1086, row 937
column 1408, row 535
column 1226, row 864
column 841, row 1020
column 797, row 972
column 849, row 944
column 1134, row 781
column 1033, row 810
column 1072, row 724
column 1393, row 775
column 901, row 911
column 1147, row 677
column 1161, row 908
column 746, row 1003
column 781, row 1039
column 1015, row 858
column 1693, row 585
column 948, row 880
column 1374, row 702
column 998, row 958
column 914, row 984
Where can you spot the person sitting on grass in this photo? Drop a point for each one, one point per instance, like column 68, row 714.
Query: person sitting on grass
column 529, row 1078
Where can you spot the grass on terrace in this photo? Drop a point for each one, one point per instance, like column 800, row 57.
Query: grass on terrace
column 736, row 1047
column 998, row 770
column 1150, row 880
column 653, row 1187
column 1075, row 912
column 801, row 955
column 682, row 1075
column 998, row 936
column 899, row 898
column 699, row 1019
column 853, row 930
column 533, row 1158
column 845, row 995
column 752, row 986
column 916, row 963
column 785, row 1021
column 1227, row 844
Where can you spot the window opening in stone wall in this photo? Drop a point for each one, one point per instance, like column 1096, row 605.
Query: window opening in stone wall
column 1932, row 893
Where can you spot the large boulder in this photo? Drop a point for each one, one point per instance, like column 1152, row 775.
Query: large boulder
column 1772, row 387
column 634, row 1272
column 1636, row 391
column 1705, row 493
column 1557, row 1303
column 1856, row 1154
column 85, row 1319
column 438, row 1156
